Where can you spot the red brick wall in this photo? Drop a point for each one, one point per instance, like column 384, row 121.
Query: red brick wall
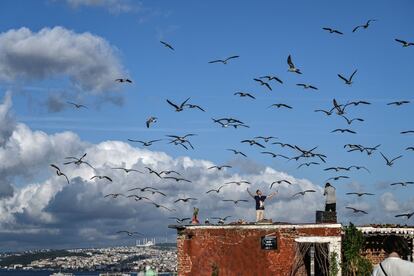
column 237, row 251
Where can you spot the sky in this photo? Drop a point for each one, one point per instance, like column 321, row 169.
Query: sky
column 57, row 51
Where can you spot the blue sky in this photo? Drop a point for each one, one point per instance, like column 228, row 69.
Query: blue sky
column 263, row 33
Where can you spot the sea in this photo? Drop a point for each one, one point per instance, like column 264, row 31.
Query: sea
column 4, row 272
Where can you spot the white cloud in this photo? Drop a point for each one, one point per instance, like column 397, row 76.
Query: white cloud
column 389, row 203
column 87, row 60
column 78, row 214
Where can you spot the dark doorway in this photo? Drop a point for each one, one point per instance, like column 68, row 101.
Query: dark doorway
column 312, row 259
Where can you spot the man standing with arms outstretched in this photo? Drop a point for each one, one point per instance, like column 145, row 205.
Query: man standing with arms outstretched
column 260, row 198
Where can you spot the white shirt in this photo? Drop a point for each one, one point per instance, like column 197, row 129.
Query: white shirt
column 394, row 266
column 330, row 195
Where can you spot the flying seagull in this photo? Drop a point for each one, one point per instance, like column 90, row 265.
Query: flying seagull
column 216, row 190
column 59, row 172
column 404, row 43
column 407, row 132
column 269, row 78
column 274, row 155
column 150, row 121
column 237, row 152
column 185, row 199
column 238, row 183
column 338, row 177
column 327, row 113
column 151, row 171
column 161, row 206
column 101, row 177
column 130, row 234
column 390, row 162
column 359, row 194
column 77, row 161
column 143, row 189
column 177, row 179
column 307, row 86
column 265, row 138
column 366, row 25
column 307, row 164
column 179, row 220
column 349, row 121
column 279, row 182
column 279, row 105
column 408, row 215
column 404, row 184
column 304, row 192
column 398, row 103
column 330, row 30
column 114, row 195
column 138, row 198
column 77, row 105
column 292, row 67
column 167, row 45
column 123, row 80
column 235, row 201
column 127, row 170
column 356, row 210
column 219, row 167
column 178, row 108
column 244, row 94
column 253, row 142
column 347, row 81
column 145, row 143
column 224, row 61
column 342, row 130
column 264, row 83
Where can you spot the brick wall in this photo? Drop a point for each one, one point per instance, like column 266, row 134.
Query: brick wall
column 237, row 250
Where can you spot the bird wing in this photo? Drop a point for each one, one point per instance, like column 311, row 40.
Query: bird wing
column 267, row 85
column 174, row 105
column 218, row 60
column 350, row 78
column 356, row 28
column 401, row 41
column 232, row 57
column 340, row 76
column 290, row 63
column 396, row 158
column 54, row 166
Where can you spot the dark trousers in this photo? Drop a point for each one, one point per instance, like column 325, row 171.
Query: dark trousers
column 331, row 207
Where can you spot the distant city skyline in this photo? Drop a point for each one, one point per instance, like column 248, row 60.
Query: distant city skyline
column 58, row 55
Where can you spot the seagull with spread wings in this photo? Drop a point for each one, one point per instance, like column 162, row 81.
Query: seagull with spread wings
column 292, row 67
column 407, row 132
column 224, row 61
column 274, row 155
column 143, row 189
column 307, row 86
column 179, row 220
column 114, row 195
column 269, row 78
column 279, row 105
column 120, row 80
column 177, row 179
column 101, row 177
column 359, row 194
column 127, row 170
column 307, row 164
column 236, row 152
column 365, row 26
column 238, row 183
column 76, row 105
column 347, row 81
column 130, row 234
column 144, row 143
column 252, row 142
column 408, row 215
column 399, row 103
column 304, row 192
column 265, row 138
column 342, row 130
column 186, row 199
column 261, row 82
column 332, row 31
column 244, row 94
column 280, row 182
column 356, row 210
column 403, row 184
column 389, row 161
column 216, row 190
column 77, row 161
column 327, row 113
column 59, row 172
column 138, row 198
column 161, row 206
column 167, row 45
column 404, row 43
column 350, row 121
column 178, row 108
column 219, row 168
column 235, row 201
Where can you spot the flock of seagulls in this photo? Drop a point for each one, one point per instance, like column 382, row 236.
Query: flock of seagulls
column 312, row 157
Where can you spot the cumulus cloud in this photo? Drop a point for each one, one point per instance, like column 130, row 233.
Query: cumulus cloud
column 88, row 61
column 113, row 6
column 78, row 214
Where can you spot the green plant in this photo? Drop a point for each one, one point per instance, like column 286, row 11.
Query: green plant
column 215, row 270
column 354, row 264
column 333, row 264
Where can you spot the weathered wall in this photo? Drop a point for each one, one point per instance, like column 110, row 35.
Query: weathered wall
column 237, row 251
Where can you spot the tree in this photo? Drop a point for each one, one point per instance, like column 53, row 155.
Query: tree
column 354, row 264
column 333, row 264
